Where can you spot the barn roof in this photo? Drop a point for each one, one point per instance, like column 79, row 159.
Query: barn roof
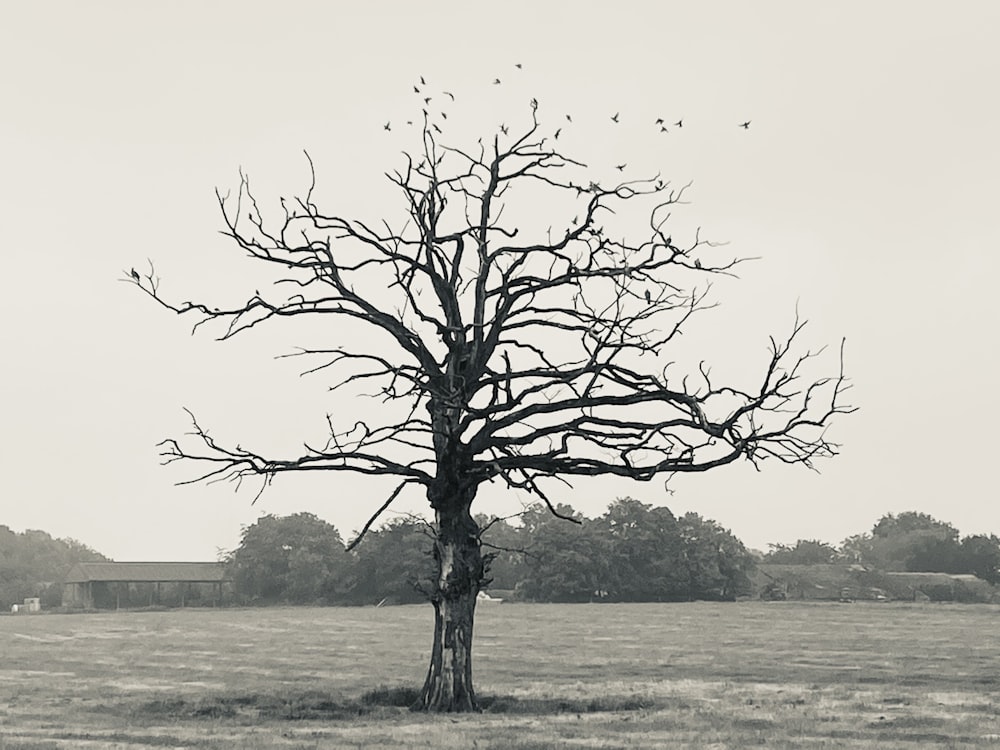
column 147, row 572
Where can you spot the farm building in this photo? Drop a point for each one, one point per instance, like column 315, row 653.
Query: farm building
column 114, row 585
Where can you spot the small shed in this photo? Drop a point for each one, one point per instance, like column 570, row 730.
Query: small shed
column 106, row 585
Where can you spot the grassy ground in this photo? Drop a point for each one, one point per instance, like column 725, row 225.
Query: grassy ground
column 784, row 675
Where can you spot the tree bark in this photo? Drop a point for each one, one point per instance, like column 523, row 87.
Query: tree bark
column 460, row 572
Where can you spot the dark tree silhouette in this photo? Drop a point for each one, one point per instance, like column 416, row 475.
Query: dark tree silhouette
column 513, row 356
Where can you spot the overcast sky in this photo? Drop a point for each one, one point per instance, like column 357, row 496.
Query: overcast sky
column 867, row 184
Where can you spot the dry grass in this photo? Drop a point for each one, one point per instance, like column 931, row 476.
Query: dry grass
column 784, row 675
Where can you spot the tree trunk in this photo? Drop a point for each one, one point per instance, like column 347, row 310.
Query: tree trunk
column 460, row 573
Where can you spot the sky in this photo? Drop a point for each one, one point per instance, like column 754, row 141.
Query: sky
column 866, row 186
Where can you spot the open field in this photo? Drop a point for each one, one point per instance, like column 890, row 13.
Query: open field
column 784, row 675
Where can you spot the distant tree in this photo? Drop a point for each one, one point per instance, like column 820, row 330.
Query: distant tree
column 501, row 350
column 634, row 552
column 934, row 553
column 915, row 542
column 717, row 563
column 981, row 556
column 889, row 525
column 394, row 564
column 856, row 549
column 564, row 563
column 803, row 552
column 34, row 564
column 297, row 559
column 646, row 555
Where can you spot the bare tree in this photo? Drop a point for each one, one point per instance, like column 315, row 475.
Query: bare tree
column 518, row 359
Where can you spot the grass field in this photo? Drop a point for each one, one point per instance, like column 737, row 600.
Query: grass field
column 781, row 675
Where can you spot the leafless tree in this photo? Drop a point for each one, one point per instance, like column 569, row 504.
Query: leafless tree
column 516, row 356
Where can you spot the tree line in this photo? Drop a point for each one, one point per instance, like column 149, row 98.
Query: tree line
column 633, row 552
column 911, row 541
column 33, row 564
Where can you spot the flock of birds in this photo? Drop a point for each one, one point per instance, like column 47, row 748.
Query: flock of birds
column 422, row 91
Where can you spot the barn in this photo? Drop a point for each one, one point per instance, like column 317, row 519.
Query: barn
column 117, row 585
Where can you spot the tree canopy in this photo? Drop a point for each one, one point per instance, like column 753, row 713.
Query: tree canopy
column 539, row 358
column 295, row 559
column 803, row 552
column 633, row 552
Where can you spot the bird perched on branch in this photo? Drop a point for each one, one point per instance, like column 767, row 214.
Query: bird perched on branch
column 134, row 274
column 649, row 297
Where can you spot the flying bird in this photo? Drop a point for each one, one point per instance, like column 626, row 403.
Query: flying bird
column 569, row 119
column 679, row 124
column 663, row 129
column 659, row 120
column 444, row 115
column 448, row 93
column 422, row 81
column 745, row 125
column 558, row 131
column 434, row 125
column 503, row 129
column 416, row 90
column 387, row 126
column 427, row 99
column 621, row 167
column 614, row 117
column 496, row 81
column 517, row 65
